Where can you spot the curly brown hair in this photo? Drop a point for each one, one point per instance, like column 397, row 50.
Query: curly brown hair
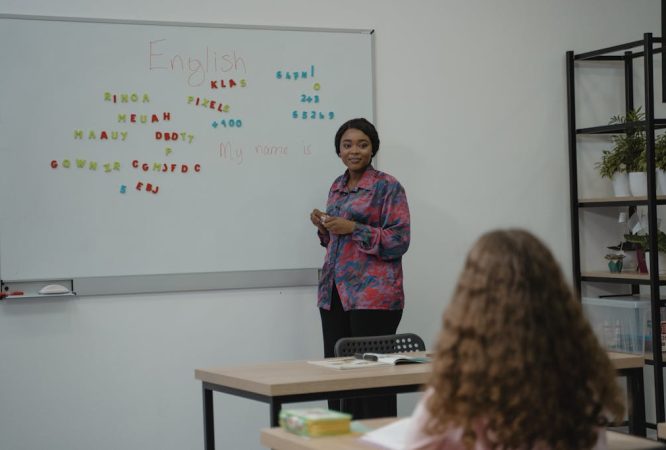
column 517, row 355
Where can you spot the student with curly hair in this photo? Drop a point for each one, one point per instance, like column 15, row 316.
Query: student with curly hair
column 516, row 366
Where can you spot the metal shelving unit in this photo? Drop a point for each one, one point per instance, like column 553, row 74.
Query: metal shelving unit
column 645, row 50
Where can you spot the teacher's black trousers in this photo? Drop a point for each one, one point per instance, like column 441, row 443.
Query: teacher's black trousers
column 337, row 323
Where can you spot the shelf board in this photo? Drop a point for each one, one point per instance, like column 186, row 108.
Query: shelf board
column 619, row 201
column 621, row 127
column 650, row 357
column 622, row 277
column 628, row 360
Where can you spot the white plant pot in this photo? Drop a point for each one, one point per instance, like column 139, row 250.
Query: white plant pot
column 638, row 183
column 661, row 256
column 630, row 262
column 620, row 182
column 661, row 182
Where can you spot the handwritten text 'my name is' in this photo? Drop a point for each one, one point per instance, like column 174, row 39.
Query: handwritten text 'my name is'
column 233, row 153
column 196, row 66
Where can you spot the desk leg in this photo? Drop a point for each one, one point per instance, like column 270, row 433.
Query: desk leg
column 209, row 423
column 276, row 405
column 636, row 394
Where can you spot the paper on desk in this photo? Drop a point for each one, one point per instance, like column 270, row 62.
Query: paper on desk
column 392, row 436
column 346, row 363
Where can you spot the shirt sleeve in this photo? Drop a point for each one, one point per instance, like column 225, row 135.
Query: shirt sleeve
column 390, row 240
column 324, row 238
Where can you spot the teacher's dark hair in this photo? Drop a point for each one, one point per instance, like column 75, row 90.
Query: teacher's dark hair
column 360, row 124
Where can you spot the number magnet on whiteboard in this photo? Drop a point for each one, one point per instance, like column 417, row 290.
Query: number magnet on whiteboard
column 316, row 86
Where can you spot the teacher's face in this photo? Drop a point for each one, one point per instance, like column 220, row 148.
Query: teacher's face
column 355, row 150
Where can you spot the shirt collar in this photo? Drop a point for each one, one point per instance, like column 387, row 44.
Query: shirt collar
column 367, row 181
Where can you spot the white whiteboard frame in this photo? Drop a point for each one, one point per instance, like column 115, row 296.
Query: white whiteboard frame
column 135, row 284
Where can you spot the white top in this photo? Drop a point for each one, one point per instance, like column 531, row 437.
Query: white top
column 417, row 439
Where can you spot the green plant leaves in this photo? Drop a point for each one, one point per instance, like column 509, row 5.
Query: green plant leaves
column 628, row 153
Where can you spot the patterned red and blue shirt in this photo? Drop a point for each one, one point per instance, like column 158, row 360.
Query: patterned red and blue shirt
column 366, row 265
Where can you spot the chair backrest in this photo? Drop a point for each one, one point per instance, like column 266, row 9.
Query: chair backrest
column 392, row 343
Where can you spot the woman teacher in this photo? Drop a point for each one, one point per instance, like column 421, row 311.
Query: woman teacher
column 365, row 230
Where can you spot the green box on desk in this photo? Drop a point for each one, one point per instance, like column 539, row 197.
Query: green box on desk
column 315, row 422
column 620, row 323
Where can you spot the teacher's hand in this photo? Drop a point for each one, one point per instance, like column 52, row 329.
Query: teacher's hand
column 317, row 218
column 338, row 225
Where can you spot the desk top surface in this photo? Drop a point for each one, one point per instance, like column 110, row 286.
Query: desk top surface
column 626, row 360
column 278, row 439
column 301, row 377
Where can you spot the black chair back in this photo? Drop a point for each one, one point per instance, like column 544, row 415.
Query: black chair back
column 392, row 343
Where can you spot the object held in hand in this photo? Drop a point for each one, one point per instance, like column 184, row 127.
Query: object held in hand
column 323, row 218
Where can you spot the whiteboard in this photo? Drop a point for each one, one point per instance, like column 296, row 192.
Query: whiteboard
column 134, row 148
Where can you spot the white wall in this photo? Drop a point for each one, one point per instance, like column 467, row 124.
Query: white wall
column 472, row 116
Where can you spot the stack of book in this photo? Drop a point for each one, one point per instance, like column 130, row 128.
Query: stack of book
column 314, row 421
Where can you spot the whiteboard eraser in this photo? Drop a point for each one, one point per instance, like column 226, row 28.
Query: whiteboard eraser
column 54, row 289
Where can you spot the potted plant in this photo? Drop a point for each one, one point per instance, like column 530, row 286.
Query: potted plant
column 612, row 166
column 644, row 241
column 627, row 156
column 615, row 262
column 631, row 145
column 631, row 260
column 660, row 163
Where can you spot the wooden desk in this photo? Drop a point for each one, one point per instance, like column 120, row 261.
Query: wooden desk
column 278, row 439
column 297, row 381
column 631, row 367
